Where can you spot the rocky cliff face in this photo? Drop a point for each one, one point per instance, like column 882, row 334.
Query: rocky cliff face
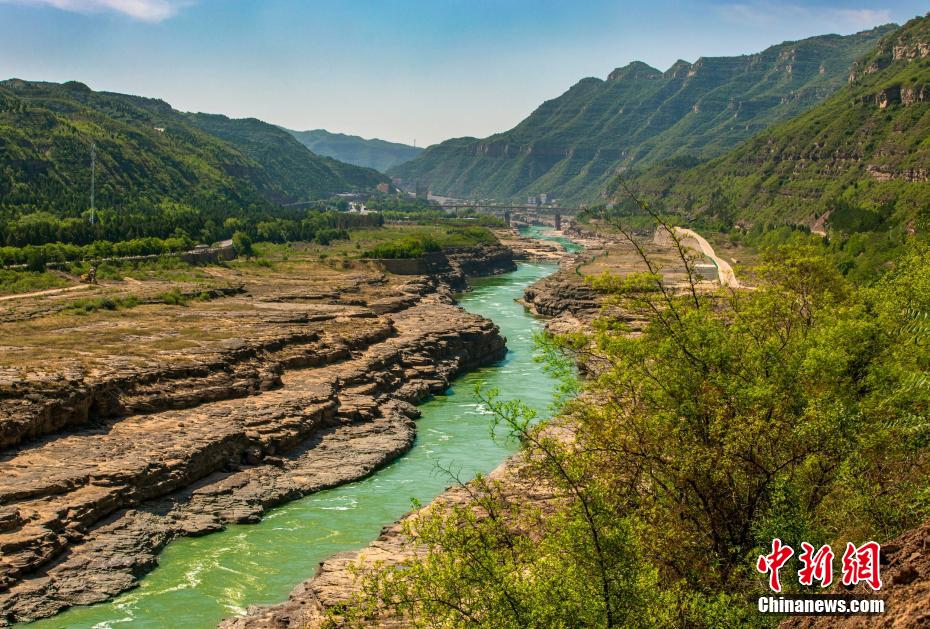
column 848, row 155
column 479, row 261
column 109, row 466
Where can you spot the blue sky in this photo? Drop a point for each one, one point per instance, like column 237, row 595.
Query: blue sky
column 397, row 69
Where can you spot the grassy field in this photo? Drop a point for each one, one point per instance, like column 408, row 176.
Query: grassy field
column 339, row 254
column 15, row 282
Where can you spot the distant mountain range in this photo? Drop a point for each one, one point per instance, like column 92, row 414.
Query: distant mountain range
column 301, row 173
column 573, row 145
column 859, row 161
column 378, row 154
column 832, row 130
column 149, row 153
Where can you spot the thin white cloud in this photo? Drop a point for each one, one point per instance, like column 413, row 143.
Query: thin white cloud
column 144, row 10
column 772, row 13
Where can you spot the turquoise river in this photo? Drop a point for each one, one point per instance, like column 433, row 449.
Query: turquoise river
column 201, row 580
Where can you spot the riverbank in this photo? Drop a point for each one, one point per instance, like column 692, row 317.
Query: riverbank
column 297, row 384
column 569, row 304
column 201, row 580
column 335, row 580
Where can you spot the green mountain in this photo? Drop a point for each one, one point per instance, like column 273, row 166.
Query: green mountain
column 298, row 173
column 860, row 161
column 147, row 154
column 378, row 154
column 573, row 145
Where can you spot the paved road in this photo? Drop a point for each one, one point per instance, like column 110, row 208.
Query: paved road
column 724, row 270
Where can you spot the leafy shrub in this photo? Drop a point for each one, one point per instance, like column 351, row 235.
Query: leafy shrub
column 28, row 281
column 242, row 243
column 174, row 297
column 404, row 248
column 93, row 304
column 727, row 420
column 36, row 260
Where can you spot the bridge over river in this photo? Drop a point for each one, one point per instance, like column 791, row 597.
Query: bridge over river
column 520, row 213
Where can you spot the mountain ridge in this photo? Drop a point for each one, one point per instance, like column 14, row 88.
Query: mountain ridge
column 353, row 149
column 861, row 159
column 301, row 174
column 573, row 144
column 147, row 153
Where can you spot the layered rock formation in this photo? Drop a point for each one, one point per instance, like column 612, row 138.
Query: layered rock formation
column 482, row 260
column 454, row 266
column 562, row 292
column 104, row 464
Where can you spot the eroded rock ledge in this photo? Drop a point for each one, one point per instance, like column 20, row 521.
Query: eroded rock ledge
column 562, row 292
column 108, row 467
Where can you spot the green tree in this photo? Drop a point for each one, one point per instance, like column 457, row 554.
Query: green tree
column 242, row 244
column 36, row 259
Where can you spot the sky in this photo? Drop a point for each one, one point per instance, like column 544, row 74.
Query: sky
column 404, row 70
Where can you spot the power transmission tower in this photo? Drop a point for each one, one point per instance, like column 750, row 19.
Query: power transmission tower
column 93, row 179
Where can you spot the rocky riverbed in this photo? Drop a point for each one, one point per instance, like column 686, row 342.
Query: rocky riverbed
column 289, row 389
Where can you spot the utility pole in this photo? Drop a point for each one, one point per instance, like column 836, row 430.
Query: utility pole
column 93, row 178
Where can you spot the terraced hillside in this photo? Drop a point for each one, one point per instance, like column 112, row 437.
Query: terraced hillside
column 858, row 162
column 572, row 145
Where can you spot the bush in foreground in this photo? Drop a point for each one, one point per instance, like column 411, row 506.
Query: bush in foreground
column 796, row 410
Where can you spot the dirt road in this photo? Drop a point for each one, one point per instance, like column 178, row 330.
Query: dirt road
column 41, row 293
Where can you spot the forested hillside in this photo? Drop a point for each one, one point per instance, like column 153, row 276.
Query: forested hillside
column 297, row 172
column 858, row 162
column 573, row 145
column 156, row 168
column 378, row 154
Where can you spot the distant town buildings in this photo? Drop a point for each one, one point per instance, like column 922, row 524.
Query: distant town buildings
column 540, row 199
column 384, row 187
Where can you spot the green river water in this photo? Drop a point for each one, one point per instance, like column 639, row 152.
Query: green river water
column 201, row 580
